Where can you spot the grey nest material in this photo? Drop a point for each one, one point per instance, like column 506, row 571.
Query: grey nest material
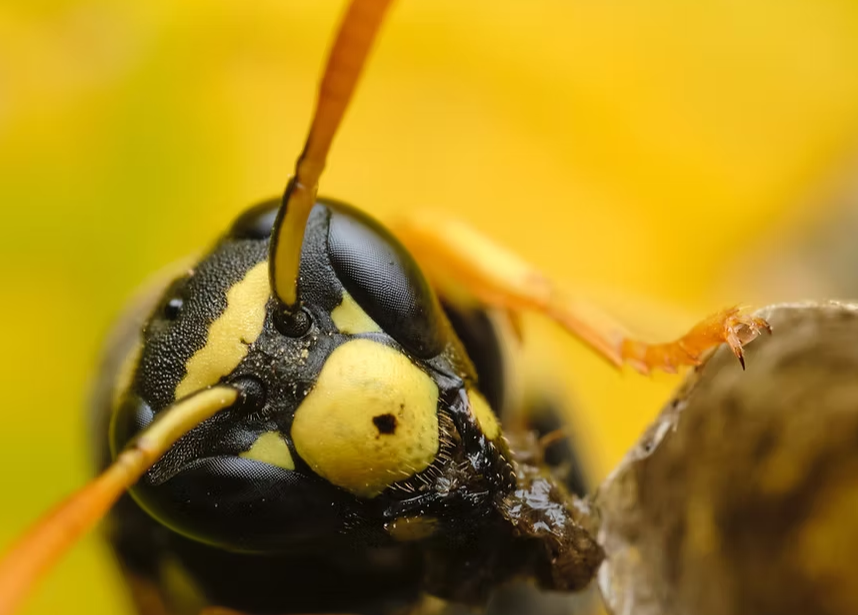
column 742, row 497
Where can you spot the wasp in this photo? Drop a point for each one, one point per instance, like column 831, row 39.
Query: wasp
column 316, row 415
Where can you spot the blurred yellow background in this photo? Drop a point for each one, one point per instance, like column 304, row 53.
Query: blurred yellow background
column 635, row 149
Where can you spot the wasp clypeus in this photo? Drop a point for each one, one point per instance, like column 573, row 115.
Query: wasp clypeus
column 309, row 419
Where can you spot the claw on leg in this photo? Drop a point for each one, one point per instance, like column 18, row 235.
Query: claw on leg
column 729, row 326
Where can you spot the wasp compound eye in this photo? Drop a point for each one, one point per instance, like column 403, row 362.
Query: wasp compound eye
column 256, row 222
column 292, row 324
column 380, row 274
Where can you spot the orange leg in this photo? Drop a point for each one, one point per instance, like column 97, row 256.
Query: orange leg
column 448, row 248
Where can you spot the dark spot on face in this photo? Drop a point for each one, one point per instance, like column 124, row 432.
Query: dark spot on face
column 385, row 423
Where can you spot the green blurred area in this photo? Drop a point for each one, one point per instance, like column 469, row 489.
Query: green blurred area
column 635, row 149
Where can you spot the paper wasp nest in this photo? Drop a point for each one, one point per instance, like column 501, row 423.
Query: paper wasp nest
column 742, row 497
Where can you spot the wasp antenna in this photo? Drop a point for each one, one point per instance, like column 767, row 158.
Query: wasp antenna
column 39, row 549
column 345, row 62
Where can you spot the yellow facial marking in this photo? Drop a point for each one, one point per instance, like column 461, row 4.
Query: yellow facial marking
column 351, row 319
column 410, row 529
column 370, row 421
column 231, row 334
column 126, row 372
column 271, row 449
column 485, row 417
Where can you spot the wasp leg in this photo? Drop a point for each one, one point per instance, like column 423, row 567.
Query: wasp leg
column 729, row 326
column 448, row 248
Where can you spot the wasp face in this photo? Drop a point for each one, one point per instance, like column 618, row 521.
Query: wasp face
column 359, row 419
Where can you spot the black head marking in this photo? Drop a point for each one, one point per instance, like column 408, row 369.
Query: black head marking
column 180, row 326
